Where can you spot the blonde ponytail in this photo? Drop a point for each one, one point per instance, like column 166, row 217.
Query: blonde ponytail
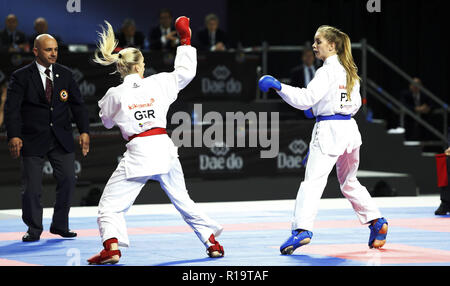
column 106, row 46
column 125, row 60
column 344, row 52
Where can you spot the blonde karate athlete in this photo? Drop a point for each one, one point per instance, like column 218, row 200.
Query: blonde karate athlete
column 334, row 97
column 139, row 107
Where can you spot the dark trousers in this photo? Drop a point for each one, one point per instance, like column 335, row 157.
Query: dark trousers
column 64, row 173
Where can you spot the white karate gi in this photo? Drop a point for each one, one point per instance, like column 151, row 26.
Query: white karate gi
column 135, row 106
column 332, row 142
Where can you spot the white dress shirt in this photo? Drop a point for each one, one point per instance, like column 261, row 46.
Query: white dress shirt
column 165, row 32
column 42, row 69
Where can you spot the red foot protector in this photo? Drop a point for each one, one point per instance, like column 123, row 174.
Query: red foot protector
column 441, row 167
column 215, row 247
column 182, row 27
column 106, row 254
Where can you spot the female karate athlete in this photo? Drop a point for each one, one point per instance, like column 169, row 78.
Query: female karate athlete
column 139, row 108
column 334, row 97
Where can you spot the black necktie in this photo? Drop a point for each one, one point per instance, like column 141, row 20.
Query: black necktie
column 48, row 86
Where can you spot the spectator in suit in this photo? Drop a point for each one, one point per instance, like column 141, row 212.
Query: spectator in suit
column 211, row 38
column 41, row 27
column 164, row 36
column 302, row 74
column 129, row 36
column 11, row 39
column 40, row 98
column 420, row 104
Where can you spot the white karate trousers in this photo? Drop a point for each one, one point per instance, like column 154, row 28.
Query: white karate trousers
column 318, row 168
column 119, row 195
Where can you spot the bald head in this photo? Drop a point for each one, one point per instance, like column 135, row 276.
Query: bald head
column 39, row 40
column 45, row 49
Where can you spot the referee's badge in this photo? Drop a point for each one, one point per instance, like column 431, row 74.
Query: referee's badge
column 63, row 95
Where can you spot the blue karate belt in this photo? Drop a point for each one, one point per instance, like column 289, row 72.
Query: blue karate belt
column 327, row 117
column 333, row 117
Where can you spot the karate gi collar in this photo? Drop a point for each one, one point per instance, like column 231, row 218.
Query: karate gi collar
column 331, row 60
column 134, row 77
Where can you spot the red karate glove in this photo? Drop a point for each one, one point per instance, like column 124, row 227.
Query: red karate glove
column 184, row 32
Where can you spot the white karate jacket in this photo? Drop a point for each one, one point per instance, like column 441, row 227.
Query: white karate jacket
column 139, row 104
column 327, row 95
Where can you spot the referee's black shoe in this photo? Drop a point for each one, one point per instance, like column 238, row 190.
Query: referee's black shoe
column 443, row 209
column 30, row 238
column 63, row 233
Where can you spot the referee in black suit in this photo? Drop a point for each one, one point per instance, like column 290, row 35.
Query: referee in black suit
column 39, row 99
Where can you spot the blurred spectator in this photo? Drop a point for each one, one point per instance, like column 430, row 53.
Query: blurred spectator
column 420, row 104
column 11, row 39
column 129, row 36
column 41, row 27
column 212, row 38
column 3, row 88
column 164, row 36
column 302, row 74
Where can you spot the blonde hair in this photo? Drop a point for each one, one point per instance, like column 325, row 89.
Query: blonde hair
column 125, row 59
column 344, row 52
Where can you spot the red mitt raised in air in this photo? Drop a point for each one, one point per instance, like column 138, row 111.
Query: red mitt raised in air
column 182, row 27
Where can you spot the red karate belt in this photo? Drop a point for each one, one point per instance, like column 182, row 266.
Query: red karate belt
column 441, row 167
column 150, row 132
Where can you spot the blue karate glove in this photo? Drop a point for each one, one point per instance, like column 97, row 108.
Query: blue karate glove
column 309, row 113
column 267, row 81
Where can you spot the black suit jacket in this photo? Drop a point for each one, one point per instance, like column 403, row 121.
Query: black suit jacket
column 407, row 98
column 298, row 75
column 155, row 40
column 5, row 41
column 204, row 43
column 28, row 114
column 138, row 40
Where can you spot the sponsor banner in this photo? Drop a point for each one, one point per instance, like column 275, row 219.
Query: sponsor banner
column 219, row 75
column 217, row 161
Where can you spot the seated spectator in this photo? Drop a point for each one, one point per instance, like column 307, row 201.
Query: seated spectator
column 211, row 38
column 41, row 27
column 302, row 74
column 421, row 105
column 129, row 36
column 164, row 36
column 11, row 39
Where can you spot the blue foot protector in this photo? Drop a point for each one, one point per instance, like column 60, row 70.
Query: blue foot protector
column 297, row 239
column 374, row 231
